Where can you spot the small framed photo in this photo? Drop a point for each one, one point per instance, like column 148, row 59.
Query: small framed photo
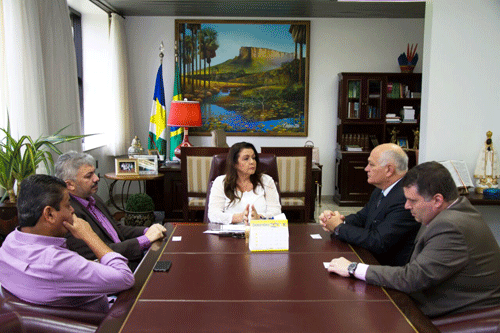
column 402, row 142
column 154, row 152
column 148, row 164
column 126, row 166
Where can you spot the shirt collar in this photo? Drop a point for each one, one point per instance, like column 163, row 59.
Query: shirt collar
column 90, row 201
column 28, row 238
column 387, row 190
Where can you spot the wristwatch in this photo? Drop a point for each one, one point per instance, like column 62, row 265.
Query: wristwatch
column 352, row 268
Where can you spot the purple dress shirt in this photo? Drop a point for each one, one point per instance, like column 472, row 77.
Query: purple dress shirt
column 40, row 270
column 144, row 242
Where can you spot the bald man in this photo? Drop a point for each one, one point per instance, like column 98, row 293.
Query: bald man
column 384, row 227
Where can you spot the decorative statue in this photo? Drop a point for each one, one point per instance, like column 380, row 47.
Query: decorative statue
column 416, row 137
column 135, row 147
column 393, row 133
column 487, row 169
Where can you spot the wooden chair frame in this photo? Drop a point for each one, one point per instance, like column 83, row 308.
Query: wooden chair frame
column 186, row 154
column 305, row 210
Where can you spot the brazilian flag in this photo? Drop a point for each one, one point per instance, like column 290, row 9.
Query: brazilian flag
column 176, row 133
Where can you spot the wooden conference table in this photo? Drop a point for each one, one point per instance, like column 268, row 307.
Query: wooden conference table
column 216, row 285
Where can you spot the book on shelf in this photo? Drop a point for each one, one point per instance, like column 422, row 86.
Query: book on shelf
column 416, row 95
column 353, row 148
column 408, row 113
column 409, row 121
column 460, row 173
column 392, row 118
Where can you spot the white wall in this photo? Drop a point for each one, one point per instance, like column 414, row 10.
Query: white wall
column 337, row 45
column 461, row 95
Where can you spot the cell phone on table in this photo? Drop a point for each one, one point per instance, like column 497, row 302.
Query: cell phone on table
column 162, row 266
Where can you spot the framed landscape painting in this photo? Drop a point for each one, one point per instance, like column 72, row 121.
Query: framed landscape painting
column 250, row 77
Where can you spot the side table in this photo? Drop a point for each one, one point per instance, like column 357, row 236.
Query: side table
column 125, row 188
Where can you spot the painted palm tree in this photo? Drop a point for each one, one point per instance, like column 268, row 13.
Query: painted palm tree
column 208, row 46
column 194, row 27
column 181, row 50
column 188, row 59
column 298, row 32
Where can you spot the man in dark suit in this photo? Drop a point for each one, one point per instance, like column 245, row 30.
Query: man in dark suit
column 78, row 171
column 455, row 264
column 383, row 226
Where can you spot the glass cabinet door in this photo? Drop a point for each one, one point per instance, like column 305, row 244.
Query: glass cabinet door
column 374, row 105
column 353, row 99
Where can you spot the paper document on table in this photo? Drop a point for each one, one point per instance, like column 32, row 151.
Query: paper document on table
column 268, row 235
column 218, row 228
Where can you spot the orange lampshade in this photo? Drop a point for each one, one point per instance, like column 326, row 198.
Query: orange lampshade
column 184, row 114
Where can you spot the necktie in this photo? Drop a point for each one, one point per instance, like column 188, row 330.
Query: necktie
column 380, row 197
column 103, row 220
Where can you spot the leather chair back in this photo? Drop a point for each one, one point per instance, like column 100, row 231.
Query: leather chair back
column 14, row 313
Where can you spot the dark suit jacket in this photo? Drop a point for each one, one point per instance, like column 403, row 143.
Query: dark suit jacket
column 129, row 245
column 455, row 266
column 387, row 231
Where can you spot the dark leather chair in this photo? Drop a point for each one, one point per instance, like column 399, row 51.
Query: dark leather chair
column 17, row 315
column 484, row 321
column 267, row 165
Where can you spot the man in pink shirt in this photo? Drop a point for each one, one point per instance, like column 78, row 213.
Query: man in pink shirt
column 35, row 264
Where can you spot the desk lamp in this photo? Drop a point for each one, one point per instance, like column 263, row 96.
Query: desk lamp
column 184, row 114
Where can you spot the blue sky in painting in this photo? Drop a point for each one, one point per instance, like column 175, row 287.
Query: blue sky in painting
column 233, row 36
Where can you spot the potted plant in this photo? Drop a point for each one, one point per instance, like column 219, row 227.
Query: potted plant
column 139, row 210
column 20, row 158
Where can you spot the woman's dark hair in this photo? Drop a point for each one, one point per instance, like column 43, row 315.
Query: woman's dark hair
column 37, row 192
column 231, row 173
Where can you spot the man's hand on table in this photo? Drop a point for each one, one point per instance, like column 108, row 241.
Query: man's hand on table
column 155, row 232
column 339, row 266
column 330, row 220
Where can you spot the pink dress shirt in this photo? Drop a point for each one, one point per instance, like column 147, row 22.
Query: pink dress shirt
column 40, row 270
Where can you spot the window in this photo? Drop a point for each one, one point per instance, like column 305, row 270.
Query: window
column 76, row 26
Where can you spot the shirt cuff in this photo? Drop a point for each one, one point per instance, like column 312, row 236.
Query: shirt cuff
column 144, row 242
column 360, row 272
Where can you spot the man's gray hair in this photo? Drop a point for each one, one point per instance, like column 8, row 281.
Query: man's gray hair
column 396, row 157
column 68, row 164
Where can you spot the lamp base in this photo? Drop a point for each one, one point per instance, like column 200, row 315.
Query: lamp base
column 185, row 143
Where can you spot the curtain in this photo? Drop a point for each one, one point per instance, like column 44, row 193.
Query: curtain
column 40, row 77
column 119, row 138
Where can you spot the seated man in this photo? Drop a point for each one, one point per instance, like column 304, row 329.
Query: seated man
column 384, row 227
column 35, row 264
column 78, row 171
column 455, row 264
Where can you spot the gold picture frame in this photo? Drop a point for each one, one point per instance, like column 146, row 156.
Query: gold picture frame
column 250, row 76
column 126, row 167
column 402, row 142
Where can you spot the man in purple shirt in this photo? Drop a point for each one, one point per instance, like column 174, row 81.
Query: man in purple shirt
column 78, row 171
column 35, row 264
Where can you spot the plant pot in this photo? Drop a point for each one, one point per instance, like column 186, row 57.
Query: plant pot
column 139, row 219
column 407, row 69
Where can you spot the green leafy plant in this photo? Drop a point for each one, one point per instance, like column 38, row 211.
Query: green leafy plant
column 139, row 202
column 20, row 158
